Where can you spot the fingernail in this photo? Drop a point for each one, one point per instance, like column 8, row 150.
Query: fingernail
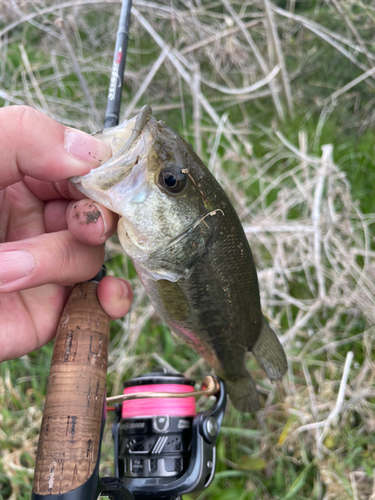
column 98, row 209
column 14, row 265
column 124, row 291
column 86, row 148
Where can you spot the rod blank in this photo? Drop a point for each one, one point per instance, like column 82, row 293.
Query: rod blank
column 117, row 75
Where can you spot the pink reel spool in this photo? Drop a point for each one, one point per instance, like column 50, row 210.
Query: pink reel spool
column 149, row 407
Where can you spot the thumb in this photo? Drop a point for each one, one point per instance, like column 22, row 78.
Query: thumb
column 35, row 145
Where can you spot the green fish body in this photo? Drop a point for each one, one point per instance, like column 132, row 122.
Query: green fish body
column 189, row 248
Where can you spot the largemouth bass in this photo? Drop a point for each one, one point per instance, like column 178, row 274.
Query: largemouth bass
column 189, row 249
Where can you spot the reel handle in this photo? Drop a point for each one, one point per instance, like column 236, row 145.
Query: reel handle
column 70, row 437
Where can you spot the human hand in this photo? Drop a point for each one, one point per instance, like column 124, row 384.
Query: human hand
column 47, row 241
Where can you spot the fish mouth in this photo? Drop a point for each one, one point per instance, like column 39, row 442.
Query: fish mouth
column 120, row 165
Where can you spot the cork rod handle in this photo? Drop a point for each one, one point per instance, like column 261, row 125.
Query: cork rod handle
column 69, row 441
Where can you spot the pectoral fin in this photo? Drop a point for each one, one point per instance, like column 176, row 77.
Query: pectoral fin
column 173, row 300
column 270, row 353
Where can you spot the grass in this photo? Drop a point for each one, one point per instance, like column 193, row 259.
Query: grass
column 271, row 169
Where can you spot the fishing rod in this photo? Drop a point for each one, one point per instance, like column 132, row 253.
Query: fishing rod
column 68, row 453
column 163, row 448
column 118, row 67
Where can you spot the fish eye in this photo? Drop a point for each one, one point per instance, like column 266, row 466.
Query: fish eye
column 171, row 179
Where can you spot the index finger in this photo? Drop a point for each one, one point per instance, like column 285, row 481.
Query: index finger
column 35, row 145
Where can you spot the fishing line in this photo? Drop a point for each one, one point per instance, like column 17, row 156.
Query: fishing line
column 163, row 447
column 160, row 406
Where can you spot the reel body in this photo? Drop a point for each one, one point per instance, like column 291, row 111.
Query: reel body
column 163, row 448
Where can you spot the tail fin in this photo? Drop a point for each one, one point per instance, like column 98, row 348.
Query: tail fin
column 270, row 353
column 243, row 394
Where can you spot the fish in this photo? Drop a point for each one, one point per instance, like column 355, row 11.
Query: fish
column 189, row 249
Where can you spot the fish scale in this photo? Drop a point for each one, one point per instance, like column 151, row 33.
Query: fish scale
column 189, row 249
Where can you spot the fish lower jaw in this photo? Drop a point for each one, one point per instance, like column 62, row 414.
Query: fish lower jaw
column 135, row 244
column 143, row 252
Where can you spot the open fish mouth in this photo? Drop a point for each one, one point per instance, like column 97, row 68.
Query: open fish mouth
column 120, row 165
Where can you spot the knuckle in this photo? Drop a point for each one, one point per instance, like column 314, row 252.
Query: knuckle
column 17, row 125
column 76, row 260
column 65, row 252
column 24, row 116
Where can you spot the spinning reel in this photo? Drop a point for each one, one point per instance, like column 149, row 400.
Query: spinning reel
column 163, row 447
